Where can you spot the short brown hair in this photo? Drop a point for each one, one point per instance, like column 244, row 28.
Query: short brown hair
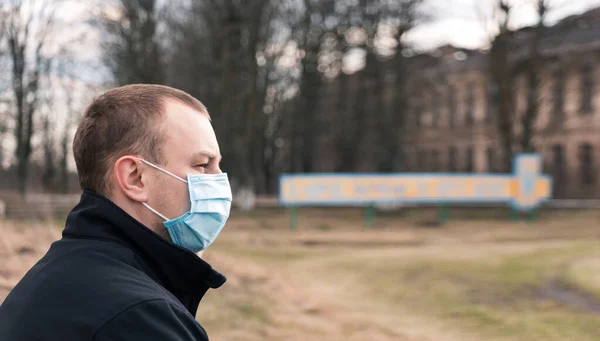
column 118, row 123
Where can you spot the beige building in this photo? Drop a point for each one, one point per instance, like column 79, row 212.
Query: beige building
column 452, row 126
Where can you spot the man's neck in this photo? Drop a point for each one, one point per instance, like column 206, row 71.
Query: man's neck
column 141, row 214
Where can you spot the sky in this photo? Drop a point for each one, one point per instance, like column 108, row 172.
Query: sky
column 457, row 22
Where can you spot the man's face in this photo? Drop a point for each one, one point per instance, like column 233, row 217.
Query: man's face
column 190, row 146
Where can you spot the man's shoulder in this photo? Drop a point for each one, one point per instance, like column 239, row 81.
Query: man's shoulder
column 79, row 283
column 94, row 268
column 155, row 319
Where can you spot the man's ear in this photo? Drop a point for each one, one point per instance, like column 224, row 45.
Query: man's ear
column 130, row 178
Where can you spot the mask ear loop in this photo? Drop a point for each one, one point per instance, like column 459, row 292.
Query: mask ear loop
column 155, row 211
column 162, row 170
column 165, row 171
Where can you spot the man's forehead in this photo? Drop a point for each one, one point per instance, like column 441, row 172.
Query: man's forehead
column 177, row 108
column 191, row 130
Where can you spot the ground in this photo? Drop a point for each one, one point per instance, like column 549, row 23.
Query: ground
column 478, row 277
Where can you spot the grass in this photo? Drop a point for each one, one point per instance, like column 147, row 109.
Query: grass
column 234, row 312
column 465, row 281
column 584, row 273
column 495, row 297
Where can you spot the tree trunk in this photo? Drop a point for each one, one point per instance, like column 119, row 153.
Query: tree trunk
column 18, row 61
column 502, row 76
column 347, row 125
column 533, row 82
column 64, row 170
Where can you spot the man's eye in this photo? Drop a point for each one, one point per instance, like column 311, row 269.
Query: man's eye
column 204, row 165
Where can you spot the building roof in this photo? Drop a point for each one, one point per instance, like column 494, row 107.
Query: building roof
column 576, row 33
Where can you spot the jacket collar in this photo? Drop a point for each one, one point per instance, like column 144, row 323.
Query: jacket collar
column 179, row 270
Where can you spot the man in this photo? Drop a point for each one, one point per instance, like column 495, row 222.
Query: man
column 126, row 267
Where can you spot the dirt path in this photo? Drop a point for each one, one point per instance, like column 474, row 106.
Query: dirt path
column 559, row 291
column 325, row 302
column 347, row 298
column 296, row 311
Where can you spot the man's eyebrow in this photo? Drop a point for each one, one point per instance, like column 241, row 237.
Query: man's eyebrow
column 209, row 155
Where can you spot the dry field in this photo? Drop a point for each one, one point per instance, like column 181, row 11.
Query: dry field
column 479, row 277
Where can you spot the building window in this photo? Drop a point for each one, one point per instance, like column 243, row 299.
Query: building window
column 558, row 160
column 435, row 160
column 586, row 105
column 559, row 167
column 411, row 164
column 470, row 114
column 452, row 158
column 586, row 160
column 451, row 107
column 492, row 101
column 491, row 160
column 418, row 115
column 426, row 160
column 469, row 166
column 435, row 111
column 421, row 160
column 558, row 94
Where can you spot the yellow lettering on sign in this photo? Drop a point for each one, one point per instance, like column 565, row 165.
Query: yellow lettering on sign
column 411, row 191
column 347, row 188
column 514, row 187
column 432, row 188
column 470, row 187
column 542, row 188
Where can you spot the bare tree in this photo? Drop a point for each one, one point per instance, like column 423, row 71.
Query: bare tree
column 66, row 135
column 4, row 112
column 365, row 102
column 229, row 55
column 504, row 65
column 503, row 80
column 4, row 127
column 311, row 33
column 4, row 117
column 402, row 15
column 213, row 56
column 131, row 46
column 534, row 65
column 49, row 150
column 28, row 27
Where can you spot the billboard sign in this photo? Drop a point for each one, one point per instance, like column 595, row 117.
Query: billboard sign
column 524, row 189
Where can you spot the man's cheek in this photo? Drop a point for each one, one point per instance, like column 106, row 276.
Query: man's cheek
column 185, row 200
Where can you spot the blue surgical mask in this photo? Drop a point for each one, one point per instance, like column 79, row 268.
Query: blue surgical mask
column 210, row 197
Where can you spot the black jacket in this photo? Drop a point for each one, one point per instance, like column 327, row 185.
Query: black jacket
column 109, row 278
